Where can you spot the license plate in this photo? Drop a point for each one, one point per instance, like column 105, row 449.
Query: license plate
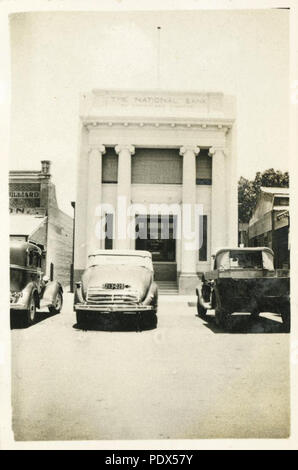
column 111, row 285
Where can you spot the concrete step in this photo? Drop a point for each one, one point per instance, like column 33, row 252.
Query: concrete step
column 167, row 287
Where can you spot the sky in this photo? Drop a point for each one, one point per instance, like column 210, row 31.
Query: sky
column 55, row 56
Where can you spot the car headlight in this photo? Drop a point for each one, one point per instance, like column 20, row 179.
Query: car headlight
column 15, row 296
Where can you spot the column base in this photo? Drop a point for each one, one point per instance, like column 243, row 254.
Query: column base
column 187, row 283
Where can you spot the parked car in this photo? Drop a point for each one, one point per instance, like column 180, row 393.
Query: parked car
column 244, row 280
column 29, row 289
column 117, row 283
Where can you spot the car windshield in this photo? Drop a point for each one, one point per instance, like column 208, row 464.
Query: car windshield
column 108, row 260
column 244, row 260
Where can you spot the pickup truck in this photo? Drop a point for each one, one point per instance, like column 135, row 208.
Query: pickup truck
column 244, row 280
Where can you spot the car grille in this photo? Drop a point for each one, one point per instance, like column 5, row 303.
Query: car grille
column 96, row 295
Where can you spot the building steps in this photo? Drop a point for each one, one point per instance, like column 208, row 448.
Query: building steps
column 167, row 287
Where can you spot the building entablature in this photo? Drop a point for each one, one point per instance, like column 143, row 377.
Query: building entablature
column 162, row 103
column 224, row 125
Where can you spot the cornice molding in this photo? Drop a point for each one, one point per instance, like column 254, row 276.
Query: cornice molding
column 206, row 125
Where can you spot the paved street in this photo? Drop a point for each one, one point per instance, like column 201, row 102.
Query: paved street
column 186, row 379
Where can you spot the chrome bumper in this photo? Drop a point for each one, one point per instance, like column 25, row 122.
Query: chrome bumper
column 17, row 306
column 113, row 308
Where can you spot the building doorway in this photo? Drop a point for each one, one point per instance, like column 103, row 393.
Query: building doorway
column 156, row 233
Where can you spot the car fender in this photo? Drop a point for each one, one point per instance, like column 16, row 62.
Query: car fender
column 207, row 305
column 152, row 296
column 51, row 290
column 27, row 293
column 217, row 299
column 78, row 293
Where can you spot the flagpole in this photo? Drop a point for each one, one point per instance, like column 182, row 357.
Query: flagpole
column 158, row 57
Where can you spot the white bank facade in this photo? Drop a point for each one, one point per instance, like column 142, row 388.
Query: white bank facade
column 156, row 153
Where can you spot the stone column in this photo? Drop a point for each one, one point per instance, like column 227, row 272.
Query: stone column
column 124, row 151
column 188, row 277
column 219, row 221
column 94, row 195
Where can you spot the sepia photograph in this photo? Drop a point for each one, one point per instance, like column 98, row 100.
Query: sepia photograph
column 149, row 225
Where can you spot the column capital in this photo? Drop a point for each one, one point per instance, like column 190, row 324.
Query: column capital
column 189, row 148
column 216, row 149
column 125, row 147
column 99, row 148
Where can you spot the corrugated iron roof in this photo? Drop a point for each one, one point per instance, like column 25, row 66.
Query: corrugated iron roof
column 274, row 190
column 25, row 224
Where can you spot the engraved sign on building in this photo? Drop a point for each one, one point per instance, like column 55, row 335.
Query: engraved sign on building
column 142, row 102
column 155, row 100
column 24, row 195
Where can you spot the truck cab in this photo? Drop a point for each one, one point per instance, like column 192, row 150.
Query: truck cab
column 244, row 280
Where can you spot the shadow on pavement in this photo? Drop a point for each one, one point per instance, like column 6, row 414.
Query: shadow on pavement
column 18, row 324
column 245, row 324
column 110, row 323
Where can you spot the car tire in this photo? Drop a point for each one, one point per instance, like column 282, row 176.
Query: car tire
column 81, row 319
column 30, row 312
column 147, row 321
column 57, row 306
column 286, row 318
column 202, row 312
column 221, row 318
column 154, row 320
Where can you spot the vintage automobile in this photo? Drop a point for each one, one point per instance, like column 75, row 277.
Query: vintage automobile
column 117, row 283
column 244, row 280
column 29, row 289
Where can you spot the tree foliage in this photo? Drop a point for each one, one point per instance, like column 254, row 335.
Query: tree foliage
column 248, row 190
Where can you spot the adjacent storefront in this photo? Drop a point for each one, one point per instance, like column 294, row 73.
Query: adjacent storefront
column 35, row 216
column 270, row 224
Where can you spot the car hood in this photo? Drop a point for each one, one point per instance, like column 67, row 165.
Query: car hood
column 135, row 277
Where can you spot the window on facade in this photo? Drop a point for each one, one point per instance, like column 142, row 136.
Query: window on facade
column 203, row 233
column 156, row 166
column 110, row 166
column 109, row 229
column 203, row 168
column 281, row 201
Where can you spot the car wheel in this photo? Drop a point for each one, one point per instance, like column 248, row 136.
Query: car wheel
column 154, row 321
column 221, row 318
column 147, row 321
column 30, row 313
column 286, row 318
column 81, row 319
column 57, row 306
column 202, row 312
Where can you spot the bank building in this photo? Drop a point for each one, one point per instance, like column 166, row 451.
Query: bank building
column 157, row 149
